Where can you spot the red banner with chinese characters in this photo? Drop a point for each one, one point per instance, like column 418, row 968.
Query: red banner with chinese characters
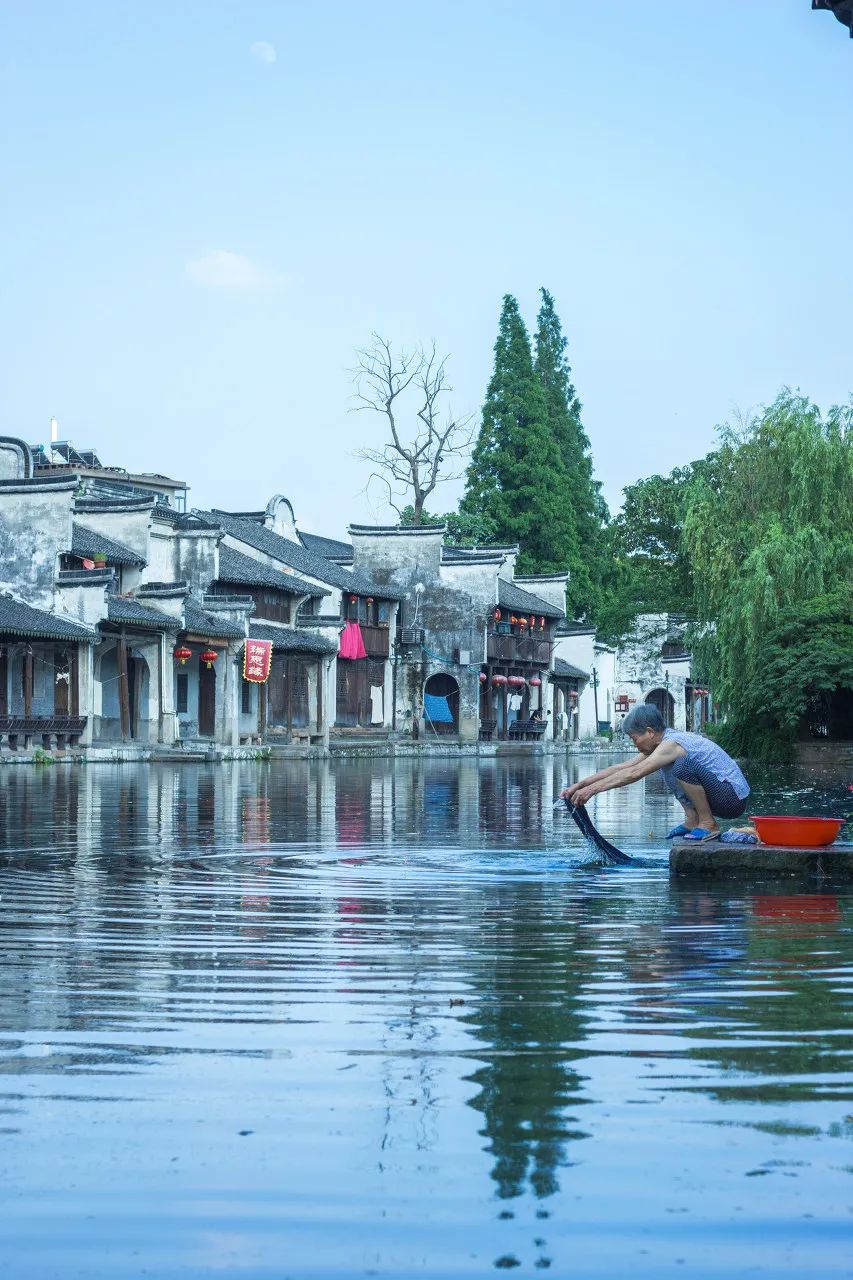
column 257, row 656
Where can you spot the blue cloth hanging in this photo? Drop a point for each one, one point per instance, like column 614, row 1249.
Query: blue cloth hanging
column 436, row 709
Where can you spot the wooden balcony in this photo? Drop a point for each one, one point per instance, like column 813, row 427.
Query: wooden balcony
column 513, row 649
column 60, row 730
column 376, row 640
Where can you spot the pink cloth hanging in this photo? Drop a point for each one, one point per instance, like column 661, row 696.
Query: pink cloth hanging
column 351, row 645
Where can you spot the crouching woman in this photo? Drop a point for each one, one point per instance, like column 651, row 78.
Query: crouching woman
column 706, row 781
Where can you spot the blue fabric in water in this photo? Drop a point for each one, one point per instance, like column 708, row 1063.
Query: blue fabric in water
column 436, row 709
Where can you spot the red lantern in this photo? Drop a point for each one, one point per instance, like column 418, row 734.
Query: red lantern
column 498, row 679
column 483, row 677
column 497, row 615
column 535, row 682
column 513, row 619
column 353, row 599
column 209, row 657
column 183, row 655
column 541, row 624
column 370, row 599
column 522, row 622
column 532, row 620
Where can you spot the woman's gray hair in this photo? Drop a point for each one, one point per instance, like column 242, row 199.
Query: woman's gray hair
column 642, row 718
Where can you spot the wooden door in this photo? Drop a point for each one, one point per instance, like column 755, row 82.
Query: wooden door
column 355, row 678
column 4, row 682
column 206, row 700
column 278, row 692
column 297, row 674
column 61, row 683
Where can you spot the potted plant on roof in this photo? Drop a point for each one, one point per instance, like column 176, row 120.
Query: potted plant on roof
column 100, row 560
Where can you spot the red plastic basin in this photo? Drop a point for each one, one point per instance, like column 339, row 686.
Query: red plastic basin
column 802, row 833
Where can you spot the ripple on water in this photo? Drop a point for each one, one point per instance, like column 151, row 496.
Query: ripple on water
column 384, row 1017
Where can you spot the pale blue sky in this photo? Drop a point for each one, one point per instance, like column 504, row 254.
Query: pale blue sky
column 678, row 173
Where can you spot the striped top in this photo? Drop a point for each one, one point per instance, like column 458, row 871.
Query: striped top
column 705, row 752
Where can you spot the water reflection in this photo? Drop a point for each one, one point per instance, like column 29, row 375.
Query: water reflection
column 402, row 984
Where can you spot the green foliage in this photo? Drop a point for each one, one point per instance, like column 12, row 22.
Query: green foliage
column 771, row 544
column 464, row 528
column 407, row 517
column 517, row 477
column 647, row 569
column 581, row 495
column 803, row 686
column 469, row 529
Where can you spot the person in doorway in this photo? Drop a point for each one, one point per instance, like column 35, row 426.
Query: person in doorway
column 706, row 781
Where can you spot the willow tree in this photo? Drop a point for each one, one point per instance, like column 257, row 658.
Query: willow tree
column 771, row 537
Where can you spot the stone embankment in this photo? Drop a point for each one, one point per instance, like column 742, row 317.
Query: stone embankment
column 712, row 860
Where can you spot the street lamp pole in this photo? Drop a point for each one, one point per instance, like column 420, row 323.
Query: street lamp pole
column 595, row 695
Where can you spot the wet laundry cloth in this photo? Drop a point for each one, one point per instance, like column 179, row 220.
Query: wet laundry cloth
column 437, row 709
column 351, row 643
column 377, row 714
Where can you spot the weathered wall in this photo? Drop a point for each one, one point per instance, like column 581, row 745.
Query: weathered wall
column 124, row 520
column 35, row 527
column 550, row 587
column 641, row 669
column 578, row 648
column 451, row 609
column 162, row 555
column 196, row 557
column 16, row 461
column 279, row 517
column 84, row 597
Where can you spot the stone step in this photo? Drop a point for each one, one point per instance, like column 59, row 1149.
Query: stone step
column 712, row 859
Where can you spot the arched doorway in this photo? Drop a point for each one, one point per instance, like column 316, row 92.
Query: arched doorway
column 665, row 703
column 441, row 704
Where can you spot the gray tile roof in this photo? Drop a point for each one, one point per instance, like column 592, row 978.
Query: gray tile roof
column 565, row 669
column 210, row 624
column 292, row 641
column 512, row 597
column 89, row 543
column 123, row 609
column 183, row 519
column 329, row 548
column 19, row 619
column 299, row 557
column 235, row 567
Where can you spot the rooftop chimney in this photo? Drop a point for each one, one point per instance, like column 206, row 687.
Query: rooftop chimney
column 54, row 431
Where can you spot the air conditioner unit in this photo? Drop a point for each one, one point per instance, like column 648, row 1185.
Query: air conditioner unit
column 411, row 635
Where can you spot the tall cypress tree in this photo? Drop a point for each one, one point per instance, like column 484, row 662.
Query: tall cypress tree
column 517, row 475
column 582, row 495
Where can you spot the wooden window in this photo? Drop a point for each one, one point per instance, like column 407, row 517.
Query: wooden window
column 182, row 692
column 271, row 604
column 246, row 698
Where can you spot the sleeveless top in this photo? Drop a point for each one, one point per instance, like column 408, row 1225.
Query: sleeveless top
column 704, row 752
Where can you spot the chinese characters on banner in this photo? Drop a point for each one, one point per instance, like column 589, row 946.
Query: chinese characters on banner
column 257, row 656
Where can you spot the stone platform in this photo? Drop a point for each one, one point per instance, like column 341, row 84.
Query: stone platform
column 712, row 859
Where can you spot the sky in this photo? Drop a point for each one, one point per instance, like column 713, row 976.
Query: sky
column 209, row 207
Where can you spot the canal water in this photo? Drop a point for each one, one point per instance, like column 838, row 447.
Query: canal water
column 387, row 1019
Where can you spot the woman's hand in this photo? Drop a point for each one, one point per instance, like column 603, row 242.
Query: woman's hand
column 571, row 793
column 584, row 793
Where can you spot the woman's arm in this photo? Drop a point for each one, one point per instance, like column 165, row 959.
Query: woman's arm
column 666, row 753
column 610, row 771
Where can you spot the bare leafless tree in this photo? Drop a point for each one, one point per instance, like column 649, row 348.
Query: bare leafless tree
column 429, row 450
